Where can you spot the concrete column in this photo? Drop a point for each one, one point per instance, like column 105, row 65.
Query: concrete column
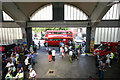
column 58, row 11
column 29, row 36
column 88, row 39
column 119, row 10
column 24, row 34
column 92, row 38
column 0, row 12
column 119, row 13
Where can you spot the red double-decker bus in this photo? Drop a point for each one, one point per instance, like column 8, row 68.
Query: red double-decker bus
column 54, row 37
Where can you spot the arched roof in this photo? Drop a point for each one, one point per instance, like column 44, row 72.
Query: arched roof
column 28, row 8
column 21, row 11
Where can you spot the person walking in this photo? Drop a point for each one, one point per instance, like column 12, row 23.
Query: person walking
column 53, row 54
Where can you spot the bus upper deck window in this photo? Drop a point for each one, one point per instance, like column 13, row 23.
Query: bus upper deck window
column 55, row 32
column 59, row 33
column 64, row 32
column 68, row 32
column 50, row 32
column 46, row 32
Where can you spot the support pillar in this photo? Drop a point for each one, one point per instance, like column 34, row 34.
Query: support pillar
column 93, row 29
column 0, row 14
column 119, row 13
column 24, row 34
column 58, row 11
column 29, row 36
column 88, row 39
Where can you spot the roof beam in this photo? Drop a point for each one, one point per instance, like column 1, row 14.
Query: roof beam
column 9, row 25
column 100, row 10
column 103, row 23
column 58, row 24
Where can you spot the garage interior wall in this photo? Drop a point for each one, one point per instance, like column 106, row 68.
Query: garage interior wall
column 107, row 35
column 8, row 35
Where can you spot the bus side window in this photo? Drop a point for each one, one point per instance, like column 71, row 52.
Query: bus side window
column 59, row 33
column 50, row 33
column 54, row 39
column 69, row 35
column 55, row 32
column 59, row 39
column 64, row 39
column 50, row 39
column 64, row 32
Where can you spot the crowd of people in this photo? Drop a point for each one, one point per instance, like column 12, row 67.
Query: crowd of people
column 16, row 61
column 105, row 61
column 72, row 50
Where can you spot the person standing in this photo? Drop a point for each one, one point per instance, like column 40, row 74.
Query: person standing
column 32, row 74
column 31, row 48
column 39, row 44
column 62, row 50
column 108, row 59
column 50, row 55
column 111, row 57
column 70, row 55
column 101, row 69
column 8, row 75
column 26, row 62
column 66, row 50
column 46, row 47
column 53, row 54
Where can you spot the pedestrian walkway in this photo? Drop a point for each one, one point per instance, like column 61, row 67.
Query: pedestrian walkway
column 81, row 68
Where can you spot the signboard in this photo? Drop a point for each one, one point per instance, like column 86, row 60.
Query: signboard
column 91, row 46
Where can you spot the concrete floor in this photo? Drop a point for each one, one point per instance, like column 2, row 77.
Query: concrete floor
column 81, row 68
